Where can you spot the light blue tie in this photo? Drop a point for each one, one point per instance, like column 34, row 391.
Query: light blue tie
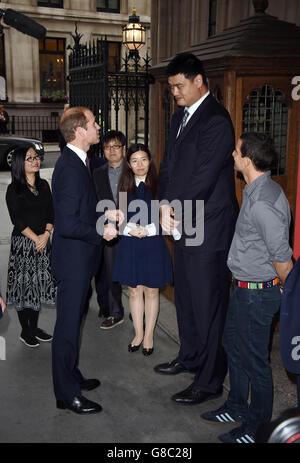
column 183, row 122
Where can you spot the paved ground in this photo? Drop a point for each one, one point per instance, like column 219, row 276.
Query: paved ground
column 136, row 401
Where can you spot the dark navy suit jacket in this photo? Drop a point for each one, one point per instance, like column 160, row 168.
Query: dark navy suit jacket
column 198, row 165
column 290, row 321
column 76, row 244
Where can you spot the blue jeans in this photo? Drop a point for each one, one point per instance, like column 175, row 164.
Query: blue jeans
column 246, row 342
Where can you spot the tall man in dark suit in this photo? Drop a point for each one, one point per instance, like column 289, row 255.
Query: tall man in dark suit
column 198, row 166
column 75, row 255
column 106, row 178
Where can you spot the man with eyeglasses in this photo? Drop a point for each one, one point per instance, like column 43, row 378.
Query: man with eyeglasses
column 106, row 180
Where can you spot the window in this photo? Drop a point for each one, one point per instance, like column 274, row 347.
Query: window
column 51, row 3
column 114, row 56
column 212, row 18
column 112, row 6
column 267, row 112
column 52, row 70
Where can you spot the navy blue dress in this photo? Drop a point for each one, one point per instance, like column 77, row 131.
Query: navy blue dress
column 143, row 261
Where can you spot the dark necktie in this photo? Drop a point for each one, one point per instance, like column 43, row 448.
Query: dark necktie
column 183, row 122
column 87, row 163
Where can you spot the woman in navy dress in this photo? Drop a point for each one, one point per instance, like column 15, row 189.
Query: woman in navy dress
column 143, row 262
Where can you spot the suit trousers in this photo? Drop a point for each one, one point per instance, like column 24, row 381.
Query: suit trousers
column 115, row 305
column 71, row 300
column 202, row 283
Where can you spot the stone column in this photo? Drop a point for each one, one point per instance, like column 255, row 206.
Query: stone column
column 23, row 67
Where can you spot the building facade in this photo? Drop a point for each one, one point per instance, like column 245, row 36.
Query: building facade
column 35, row 71
column 180, row 24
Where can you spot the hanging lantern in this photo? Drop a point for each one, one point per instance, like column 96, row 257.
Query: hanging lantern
column 134, row 34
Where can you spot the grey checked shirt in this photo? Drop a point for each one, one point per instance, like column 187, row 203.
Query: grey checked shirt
column 262, row 232
column 114, row 174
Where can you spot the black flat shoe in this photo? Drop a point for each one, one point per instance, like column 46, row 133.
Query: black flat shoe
column 147, row 351
column 79, row 405
column 132, row 348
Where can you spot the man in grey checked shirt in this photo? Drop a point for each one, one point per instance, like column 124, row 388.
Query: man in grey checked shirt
column 259, row 257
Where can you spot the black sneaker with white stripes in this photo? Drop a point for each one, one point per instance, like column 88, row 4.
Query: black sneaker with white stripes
column 40, row 335
column 240, row 435
column 29, row 341
column 222, row 415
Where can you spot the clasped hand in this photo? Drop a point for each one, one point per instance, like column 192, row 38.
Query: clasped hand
column 137, row 231
column 115, row 215
column 41, row 241
column 110, row 231
column 167, row 221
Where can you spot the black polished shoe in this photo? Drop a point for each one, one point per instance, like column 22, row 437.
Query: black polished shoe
column 148, row 351
column 171, row 368
column 191, row 396
column 79, row 405
column 89, row 384
column 132, row 348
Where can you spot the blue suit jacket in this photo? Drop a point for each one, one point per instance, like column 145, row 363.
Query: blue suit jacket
column 76, row 244
column 198, row 165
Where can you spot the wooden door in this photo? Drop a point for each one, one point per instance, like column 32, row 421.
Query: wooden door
column 264, row 104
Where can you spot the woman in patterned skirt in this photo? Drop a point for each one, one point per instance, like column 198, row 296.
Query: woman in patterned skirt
column 29, row 280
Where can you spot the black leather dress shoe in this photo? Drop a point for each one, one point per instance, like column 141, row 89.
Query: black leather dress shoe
column 79, row 405
column 89, row 384
column 171, row 368
column 191, row 396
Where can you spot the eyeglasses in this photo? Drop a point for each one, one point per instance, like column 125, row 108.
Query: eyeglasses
column 112, row 147
column 32, row 159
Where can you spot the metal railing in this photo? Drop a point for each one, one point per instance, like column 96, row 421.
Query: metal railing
column 41, row 127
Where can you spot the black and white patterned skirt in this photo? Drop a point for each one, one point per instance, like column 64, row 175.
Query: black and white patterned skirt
column 29, row 279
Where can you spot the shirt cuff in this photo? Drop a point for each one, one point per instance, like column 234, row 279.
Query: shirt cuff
column 151, row 229
column 126, row 231
column 176, row 235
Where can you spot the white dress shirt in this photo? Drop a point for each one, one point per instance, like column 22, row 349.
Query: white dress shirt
column 193, row 108
column 80, row 153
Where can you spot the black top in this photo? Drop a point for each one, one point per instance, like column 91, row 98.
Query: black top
column 4, row 118
column 27, row 210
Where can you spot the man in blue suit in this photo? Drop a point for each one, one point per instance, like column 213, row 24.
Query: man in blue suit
column 198, row 166
column 76, row 252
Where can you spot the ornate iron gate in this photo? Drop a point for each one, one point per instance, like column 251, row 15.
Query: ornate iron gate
column 110, row 95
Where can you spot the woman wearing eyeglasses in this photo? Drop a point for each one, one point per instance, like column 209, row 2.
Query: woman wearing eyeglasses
column 29, row 280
